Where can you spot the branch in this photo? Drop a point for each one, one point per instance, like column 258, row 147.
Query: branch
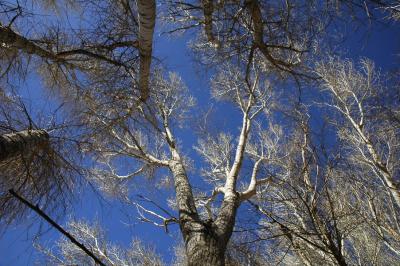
column 165, row 221
column 87, row 53
column 254, row 9
column 251, row 190
column 11, row 38
column 208, row 202
column 55, row 225
column 230, row 184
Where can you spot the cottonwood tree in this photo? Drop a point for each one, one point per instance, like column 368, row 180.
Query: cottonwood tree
column 374, row 140
column 320, row 210
column 283, row 32
column 31, row 159
column 327, row 205
column 310, row 211
column 118, row 33
column 147, row 139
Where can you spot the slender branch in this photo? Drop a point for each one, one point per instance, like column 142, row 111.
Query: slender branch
column 251, row 190
column 55, row 225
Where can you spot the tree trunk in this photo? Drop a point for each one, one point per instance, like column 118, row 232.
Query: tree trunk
column 21, row 142
column 205, row 241
column 204, row 248
column 147, row 20
column 208, row 9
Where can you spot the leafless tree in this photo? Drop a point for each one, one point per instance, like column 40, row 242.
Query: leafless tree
column 330, row 206
column 121, row 29
column 315, row 205
column 374, row 142
column 243, row 29
column 147, row 138
column 284, row 33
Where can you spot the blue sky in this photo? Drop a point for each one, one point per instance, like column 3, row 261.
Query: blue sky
column 379, row 43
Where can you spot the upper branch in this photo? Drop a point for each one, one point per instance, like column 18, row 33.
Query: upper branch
column 254, row 182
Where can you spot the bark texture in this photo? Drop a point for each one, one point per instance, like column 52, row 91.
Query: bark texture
column 204, row 248
column 21, row 142
column 147, row 20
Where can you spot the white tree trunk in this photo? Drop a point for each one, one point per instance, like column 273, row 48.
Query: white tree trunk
column 147, row 20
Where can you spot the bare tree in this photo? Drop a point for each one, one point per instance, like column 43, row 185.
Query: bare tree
column 121, row 30
column 317, row 208
column 283, row 33
column 148, row 138
column 329, row 205
column 314, row 204
column 373, row 141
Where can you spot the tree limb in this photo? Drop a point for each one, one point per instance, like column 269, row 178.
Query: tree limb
column 55, row 225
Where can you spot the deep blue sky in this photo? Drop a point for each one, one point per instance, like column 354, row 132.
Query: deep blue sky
column 379, row 43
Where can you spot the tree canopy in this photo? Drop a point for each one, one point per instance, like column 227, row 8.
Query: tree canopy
column 288, row 155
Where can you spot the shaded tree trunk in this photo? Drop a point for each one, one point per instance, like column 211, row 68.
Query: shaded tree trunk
column 206, row 242
column 21, row 142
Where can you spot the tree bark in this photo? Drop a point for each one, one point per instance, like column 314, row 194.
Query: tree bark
column 206, row 242
column 203, row 247
column 21, row 142
column 147, row 20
